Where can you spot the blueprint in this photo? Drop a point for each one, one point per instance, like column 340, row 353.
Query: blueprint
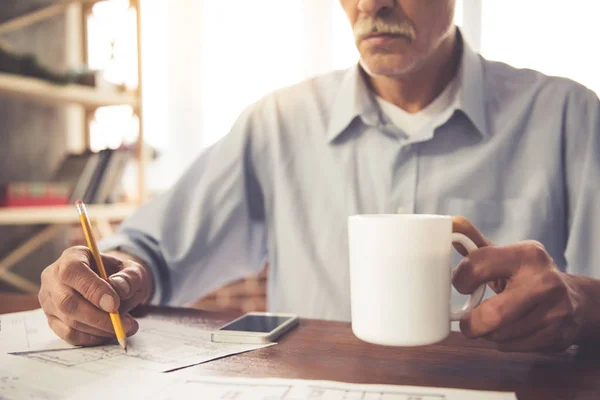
column 28, row 331
column 24, row 379
column 282, row 389
column 159, row 346
column 56, row 384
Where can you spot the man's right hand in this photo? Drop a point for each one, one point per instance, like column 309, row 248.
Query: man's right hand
column 77, row 300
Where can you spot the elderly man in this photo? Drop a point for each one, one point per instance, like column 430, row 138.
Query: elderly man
column 422, row 123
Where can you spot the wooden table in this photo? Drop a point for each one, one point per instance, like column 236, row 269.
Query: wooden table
column 17, row 302
column 328, row 350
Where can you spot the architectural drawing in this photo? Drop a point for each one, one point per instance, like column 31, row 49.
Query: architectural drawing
column 215, row 388
column 28, row 331
column 16, row 388
column 265, row 391
column 159, row 346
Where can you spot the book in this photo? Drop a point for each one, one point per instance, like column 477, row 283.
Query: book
column 94, row 177
column 110, row 186
column 31, row 194
column 77, row 170
column 91, row 193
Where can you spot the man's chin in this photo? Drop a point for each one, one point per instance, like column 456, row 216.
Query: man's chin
column 387, row 65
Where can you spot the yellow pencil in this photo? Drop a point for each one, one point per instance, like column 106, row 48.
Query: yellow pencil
column 91, row 242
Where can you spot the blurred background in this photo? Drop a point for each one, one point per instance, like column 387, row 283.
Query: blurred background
column 111, row 100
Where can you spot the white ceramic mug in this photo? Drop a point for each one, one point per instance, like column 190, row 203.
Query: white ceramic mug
column 400, row 278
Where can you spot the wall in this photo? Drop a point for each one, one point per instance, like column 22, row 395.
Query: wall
column 32, row 139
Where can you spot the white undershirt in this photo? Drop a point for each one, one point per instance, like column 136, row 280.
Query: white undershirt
column 413, row 124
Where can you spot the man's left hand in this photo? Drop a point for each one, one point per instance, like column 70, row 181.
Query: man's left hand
column 537, row 307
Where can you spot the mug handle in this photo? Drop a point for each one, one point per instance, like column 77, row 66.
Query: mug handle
column 475, row 298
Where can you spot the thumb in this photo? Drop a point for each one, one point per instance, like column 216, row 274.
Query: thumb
column 464, row 226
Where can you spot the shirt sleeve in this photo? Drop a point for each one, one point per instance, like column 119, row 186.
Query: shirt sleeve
column 582, row 170
column 208, row 229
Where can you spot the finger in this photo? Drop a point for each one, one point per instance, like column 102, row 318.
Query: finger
column 44, row 297
column 129, row 320
column 132, row 284
column 130, row 326
column 484, row 265
column 524, row 326
column 464, row 226
column 129, row 281
column 75, row 311
column 547, row 311
column 547, row 338
column 111, row 264
column 499, row 311
column 73, row 336
column 68, row 305
column 81, row 327
column 76, row 273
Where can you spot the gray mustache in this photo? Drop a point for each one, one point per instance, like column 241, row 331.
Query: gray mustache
column 367, row 26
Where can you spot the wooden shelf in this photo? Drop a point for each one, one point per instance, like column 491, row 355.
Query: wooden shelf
column 46, row 92
column 59, row 218
column 62, row 214
column 41, row 14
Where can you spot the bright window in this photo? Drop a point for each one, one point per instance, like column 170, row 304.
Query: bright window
column 246, row 53
column 344, row 49
column 552, row 36
column 112, row 48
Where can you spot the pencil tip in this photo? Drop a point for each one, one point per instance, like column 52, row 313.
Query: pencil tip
column 123, row 344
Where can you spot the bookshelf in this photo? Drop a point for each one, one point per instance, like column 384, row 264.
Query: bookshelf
column 89, row 98
column 23, row 21
column 49, row 93
column 63, row 214
column 56, row 219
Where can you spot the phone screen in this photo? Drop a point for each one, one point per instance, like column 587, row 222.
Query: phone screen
column 256, row 323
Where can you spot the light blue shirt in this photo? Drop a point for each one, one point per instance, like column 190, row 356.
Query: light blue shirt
column 518, row 155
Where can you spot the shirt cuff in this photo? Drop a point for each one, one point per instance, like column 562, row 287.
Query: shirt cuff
column 139, row 249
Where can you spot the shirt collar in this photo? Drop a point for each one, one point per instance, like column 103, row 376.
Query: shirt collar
column 355, row 99
column 471, row 98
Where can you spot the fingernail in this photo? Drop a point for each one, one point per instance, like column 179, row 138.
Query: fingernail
column 121, row 284
column 107, row 303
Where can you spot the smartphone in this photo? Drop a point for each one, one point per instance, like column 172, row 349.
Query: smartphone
column 255, row 327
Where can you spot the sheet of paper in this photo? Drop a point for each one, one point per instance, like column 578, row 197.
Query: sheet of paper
column 21, row 378
column 282, row 389
column 24, row 379
column 159, row 346
column 28, row 331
